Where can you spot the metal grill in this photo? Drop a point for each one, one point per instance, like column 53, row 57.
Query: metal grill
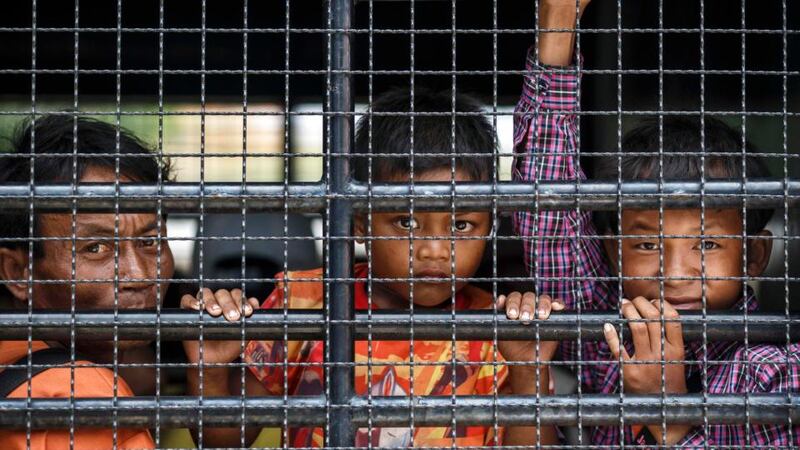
column 236, row 96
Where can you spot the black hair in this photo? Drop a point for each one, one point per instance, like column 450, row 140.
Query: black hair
column 97, row 145
column 681, row 135
column 391, row 135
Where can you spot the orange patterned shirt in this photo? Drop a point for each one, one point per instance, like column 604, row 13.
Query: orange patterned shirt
column 307, row 375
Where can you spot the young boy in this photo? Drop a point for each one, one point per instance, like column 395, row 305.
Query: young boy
column 59, row 263
column 432, row 262
column 714, row 244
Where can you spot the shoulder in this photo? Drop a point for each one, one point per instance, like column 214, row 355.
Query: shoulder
column 88, row 382
column 303, row 288
column 771, row 368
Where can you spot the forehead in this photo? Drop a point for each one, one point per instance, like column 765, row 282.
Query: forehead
column 443, row 174
column 60, row 224
column 683, row 221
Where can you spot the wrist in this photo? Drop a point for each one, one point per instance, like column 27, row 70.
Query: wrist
column 523, row 379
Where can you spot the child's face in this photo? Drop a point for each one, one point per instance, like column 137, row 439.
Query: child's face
column 682, row 256
column 433, row 249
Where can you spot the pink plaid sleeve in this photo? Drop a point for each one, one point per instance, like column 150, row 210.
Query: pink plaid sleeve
column 560, row 252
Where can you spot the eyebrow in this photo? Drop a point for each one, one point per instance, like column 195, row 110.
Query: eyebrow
column 97, row 229
column 642, row 225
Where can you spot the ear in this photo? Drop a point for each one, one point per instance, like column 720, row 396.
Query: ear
column 611, row 247
column 359, row 228
column 758, row 253
column 14, row 266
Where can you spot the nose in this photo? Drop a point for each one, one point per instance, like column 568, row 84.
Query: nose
column 135, row 268
column 679, row 263
column 432, row 250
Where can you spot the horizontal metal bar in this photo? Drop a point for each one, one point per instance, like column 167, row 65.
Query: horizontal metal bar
column 175, row 324
column 595, row 410
column 311, row 197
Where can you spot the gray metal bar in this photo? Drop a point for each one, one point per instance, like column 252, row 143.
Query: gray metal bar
column 596, row 410
column 311, row 197
column 340, row 345
column 310, row 324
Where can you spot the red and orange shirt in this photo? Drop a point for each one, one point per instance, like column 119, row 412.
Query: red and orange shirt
column 390, row 367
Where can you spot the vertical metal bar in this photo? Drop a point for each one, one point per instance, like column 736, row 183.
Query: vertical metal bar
column 340, row 298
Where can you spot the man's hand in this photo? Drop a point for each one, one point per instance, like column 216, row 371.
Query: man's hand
column 555, row 48
column 224, row 302
column 639, row 378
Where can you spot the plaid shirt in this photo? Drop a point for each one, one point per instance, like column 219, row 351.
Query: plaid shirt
column 567, row 262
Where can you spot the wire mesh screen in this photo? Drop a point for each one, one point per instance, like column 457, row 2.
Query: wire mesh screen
column 382, row 224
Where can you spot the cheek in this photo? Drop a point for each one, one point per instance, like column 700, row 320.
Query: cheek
column 635, row 264
column 468, row 256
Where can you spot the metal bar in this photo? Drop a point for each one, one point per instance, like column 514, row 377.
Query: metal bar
column 384, row 325
column 340, row 342
column 596, row 409
column 311, row 197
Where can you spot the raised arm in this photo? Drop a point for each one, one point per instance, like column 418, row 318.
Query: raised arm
column 545, row 144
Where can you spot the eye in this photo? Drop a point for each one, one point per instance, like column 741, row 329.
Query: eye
column 648, row 246
column 708, row 245
column 148, row 242
column 407, row 223
column 97, row 247
column 463, row 226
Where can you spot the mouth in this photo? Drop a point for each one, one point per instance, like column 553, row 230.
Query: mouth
column 439, row 275
column 685, row 303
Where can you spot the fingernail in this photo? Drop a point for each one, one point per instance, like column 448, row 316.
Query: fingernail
column 248, row 309
column 558, row 306
column 512, row 313
column 196, row 305
column 526, row 316
column 233, row 315
column 501, row 298
column 608, row 328
column 215, row 308
column 625, row 300
column 542, row 313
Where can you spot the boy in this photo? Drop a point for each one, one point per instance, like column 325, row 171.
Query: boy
column 139, row 253
column 431, row 261
column 545, row 137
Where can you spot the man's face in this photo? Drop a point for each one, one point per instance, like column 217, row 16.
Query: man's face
column 686, row 257
column 137, row 253
column 437, row 241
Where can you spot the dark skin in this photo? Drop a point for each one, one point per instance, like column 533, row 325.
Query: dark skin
column 94, row 261
column 431, row 259
column 682, row 258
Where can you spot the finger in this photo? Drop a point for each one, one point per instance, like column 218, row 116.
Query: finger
column 544, row 308
column 209, row 301
column 639, row 332
column 251, row 305
column 190, row 302
column 558, row 305
column 527, row 307
column 612, row 339
column 229, row 306
column 512, row 305
column 673, row 328
column 652, row 314
column 501, row 301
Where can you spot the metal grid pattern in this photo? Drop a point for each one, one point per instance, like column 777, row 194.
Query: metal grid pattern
column 339, row 199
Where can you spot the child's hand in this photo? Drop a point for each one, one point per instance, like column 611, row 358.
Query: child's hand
column 216, row 303
column 646, row 378
column 555, row 48
column 521, row 307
